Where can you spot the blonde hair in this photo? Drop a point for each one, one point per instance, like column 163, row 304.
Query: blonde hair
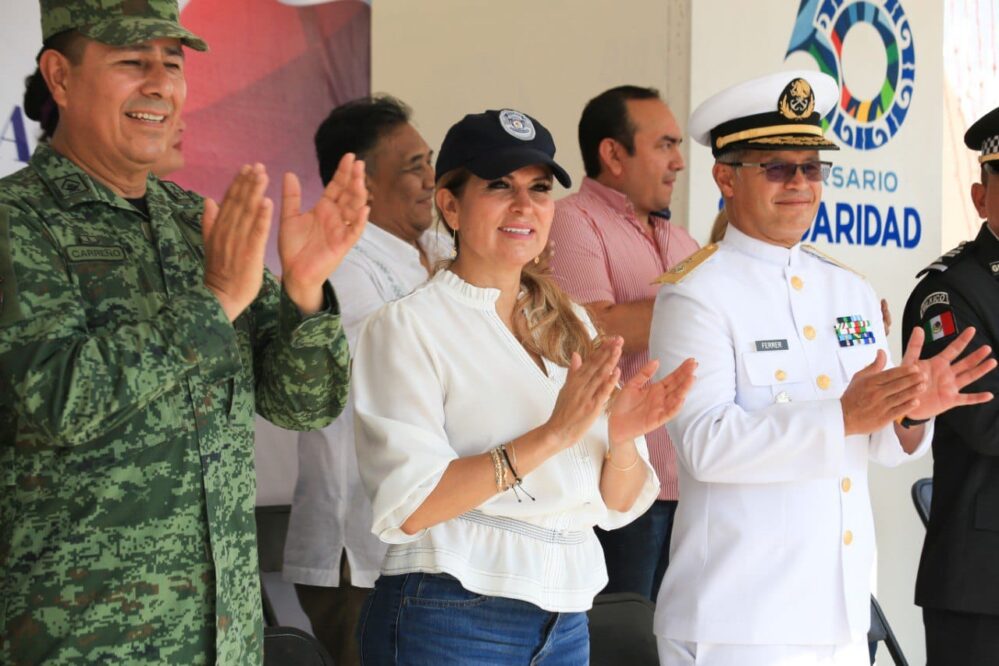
column 719, row 227
column 554, row 330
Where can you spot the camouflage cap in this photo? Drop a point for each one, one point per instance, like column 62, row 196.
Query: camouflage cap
column 117, row 22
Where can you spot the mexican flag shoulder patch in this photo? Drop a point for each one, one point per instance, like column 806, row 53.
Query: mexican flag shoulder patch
column 940, row 326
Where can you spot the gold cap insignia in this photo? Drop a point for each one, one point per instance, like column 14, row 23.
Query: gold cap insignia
column 797, row 101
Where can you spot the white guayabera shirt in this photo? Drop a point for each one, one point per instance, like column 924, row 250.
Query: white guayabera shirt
column 330, row 510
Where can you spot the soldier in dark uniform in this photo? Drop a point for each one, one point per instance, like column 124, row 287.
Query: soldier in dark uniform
column 959, row 569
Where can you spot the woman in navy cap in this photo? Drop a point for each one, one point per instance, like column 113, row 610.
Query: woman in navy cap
column 484, row 436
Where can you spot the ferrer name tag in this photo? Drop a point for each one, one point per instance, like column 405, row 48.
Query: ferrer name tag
column 771, row 345
column 95, row 253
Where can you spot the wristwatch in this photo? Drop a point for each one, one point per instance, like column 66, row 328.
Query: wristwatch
column 906, row 422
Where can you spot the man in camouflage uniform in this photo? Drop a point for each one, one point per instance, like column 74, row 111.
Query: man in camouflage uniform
column 138, row 334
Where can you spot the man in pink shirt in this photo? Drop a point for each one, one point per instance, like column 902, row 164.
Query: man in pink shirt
column 609, row 242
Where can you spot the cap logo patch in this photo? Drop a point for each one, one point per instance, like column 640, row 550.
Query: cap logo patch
column 517, row 124
column 797, row 101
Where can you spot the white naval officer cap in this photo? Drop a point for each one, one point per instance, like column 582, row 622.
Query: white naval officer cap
column 781, row 111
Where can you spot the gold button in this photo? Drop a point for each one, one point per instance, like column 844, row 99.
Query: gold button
column 780, row 375
column 823, row 381
column 797, row 283
column 848, row 537
column 846, row 484
column 809, row 332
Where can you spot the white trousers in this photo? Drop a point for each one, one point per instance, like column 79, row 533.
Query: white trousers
column 685, row 653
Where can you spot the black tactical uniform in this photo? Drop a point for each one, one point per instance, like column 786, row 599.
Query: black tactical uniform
column 958, row 580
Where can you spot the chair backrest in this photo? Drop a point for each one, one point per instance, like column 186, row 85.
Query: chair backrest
column 272, row 530
column 881, row 631
column 621, row 631
column 288, row 646
column 922, row 496
column 280, row 602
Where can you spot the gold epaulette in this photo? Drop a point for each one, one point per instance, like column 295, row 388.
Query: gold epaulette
column 815, row 252
column 678, row 273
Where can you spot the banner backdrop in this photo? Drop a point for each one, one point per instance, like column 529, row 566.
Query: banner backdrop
column 275, row 69
column 273, row 73
column 880, row 212
column 21, row 36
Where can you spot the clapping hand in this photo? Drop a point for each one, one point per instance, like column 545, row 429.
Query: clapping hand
column 588, row 386
column 312, row 244
column 919, row 389
column 641, row 406
column 235, row 236
column 945, row 376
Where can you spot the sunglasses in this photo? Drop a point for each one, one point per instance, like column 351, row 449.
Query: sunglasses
column 783, row 172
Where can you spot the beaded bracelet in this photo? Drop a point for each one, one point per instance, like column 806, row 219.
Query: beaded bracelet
column 499, row 470
column 518, row 483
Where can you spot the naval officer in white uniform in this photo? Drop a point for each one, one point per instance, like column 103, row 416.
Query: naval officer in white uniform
column 773, row 545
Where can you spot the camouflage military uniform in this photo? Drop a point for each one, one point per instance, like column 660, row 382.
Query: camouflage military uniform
column 126, row 409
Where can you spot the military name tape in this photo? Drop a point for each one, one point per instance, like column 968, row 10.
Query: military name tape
column 936, row 298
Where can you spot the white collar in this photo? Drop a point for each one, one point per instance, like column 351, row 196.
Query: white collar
column 478, row 297
column 436, row 245
column 760, row 249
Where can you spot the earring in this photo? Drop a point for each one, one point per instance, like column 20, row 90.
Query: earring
column 454, row 243
column 537, row 260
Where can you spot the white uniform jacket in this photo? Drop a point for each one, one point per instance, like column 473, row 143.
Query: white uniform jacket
column 774, row 539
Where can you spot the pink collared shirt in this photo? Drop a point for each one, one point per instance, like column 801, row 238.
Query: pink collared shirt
column 600, row 252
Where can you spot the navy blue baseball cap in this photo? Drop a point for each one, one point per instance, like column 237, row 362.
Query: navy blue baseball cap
column 495, row 143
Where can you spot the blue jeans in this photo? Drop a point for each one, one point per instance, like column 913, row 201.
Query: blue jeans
column 430, row 619
column 638, row 553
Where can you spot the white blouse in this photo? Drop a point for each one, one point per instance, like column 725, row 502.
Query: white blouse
column 438, row 376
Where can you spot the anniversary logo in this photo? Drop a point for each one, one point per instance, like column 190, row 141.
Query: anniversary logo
column 820, row 31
